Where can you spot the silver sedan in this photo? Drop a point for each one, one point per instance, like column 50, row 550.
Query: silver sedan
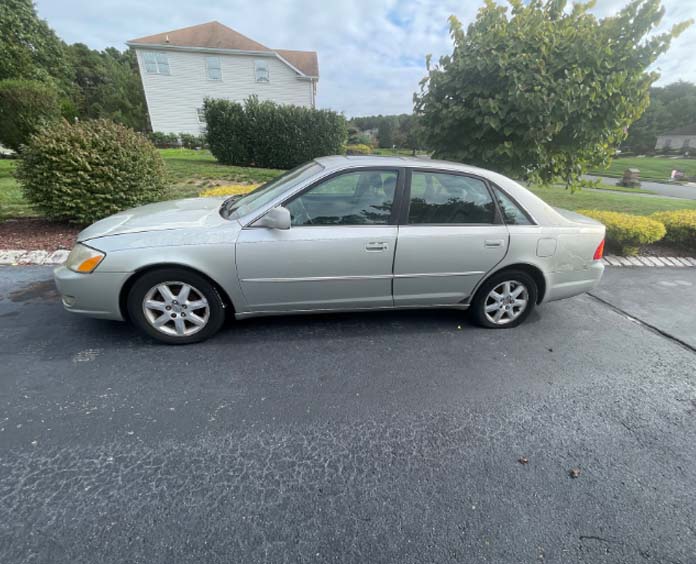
column 335, row 234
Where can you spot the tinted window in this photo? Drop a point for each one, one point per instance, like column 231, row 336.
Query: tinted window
column 512, row 214
column 448, row 198
column 354, row 198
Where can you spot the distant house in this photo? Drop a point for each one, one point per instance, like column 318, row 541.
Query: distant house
column 180, row 68
column 680, row 139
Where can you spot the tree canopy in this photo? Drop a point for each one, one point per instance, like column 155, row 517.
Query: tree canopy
column 542, row 91
column 670, row 106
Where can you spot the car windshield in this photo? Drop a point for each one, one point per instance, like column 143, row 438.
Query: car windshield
column 238, row 206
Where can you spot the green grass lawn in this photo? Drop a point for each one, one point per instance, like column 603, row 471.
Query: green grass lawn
column 12, row 203
column 621, row 189
column 585, row 199
column 651, row 168
column 191, row 172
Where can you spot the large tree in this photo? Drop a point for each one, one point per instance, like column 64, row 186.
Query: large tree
column 542, row 91
column 29, row 48
column 107, row 85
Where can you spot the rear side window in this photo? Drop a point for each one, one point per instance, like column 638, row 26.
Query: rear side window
column 512, row 213
column 448, row 198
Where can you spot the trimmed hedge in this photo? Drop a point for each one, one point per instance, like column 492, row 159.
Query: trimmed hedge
column 25, row 105
column 88, row 170
column 680, row 226
column 266, row 134
column 628, row 232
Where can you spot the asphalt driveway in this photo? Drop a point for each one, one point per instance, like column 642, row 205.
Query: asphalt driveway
column 390, row 437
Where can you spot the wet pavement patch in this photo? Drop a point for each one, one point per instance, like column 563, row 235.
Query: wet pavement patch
column 44, row 290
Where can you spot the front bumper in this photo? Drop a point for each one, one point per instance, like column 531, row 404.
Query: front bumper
column 93, row 295
column 571, row 283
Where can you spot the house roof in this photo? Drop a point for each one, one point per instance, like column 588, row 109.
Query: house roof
column 686, row 130
column 214, row 35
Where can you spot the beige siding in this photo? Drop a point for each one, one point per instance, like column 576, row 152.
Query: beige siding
column 173, row 99
column 676, row 142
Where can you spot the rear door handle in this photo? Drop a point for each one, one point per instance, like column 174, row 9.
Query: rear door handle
column 493, row 243
column 376, row 246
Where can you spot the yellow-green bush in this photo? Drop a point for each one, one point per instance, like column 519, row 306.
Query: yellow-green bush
column 680, row 226
column 358, row 149
column 628, row 232
column 227, row 190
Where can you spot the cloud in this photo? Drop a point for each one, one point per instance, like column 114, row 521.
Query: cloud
column 371, row 52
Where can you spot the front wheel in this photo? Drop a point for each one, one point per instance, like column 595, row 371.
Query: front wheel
column 505, row 300
column 176, row 306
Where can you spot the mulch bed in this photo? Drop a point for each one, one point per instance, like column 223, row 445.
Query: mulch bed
column 37, row 234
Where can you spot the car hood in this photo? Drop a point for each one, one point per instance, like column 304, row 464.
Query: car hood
column 174, row 214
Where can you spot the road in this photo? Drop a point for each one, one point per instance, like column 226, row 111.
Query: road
column 668, row 190
column 389, row 437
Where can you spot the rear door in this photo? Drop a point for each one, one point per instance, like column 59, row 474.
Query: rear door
column 450, row 235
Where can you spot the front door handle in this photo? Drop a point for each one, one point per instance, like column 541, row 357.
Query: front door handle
column 493, row 243
column 376, row 246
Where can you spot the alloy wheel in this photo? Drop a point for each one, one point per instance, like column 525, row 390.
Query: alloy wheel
column 506, row 302
column 176, row 308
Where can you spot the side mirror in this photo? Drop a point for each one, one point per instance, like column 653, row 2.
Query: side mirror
column 277, row 218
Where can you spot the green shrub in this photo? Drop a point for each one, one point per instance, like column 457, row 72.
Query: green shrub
column 680, row 226
column 88, row 170
column 163, row 140
column 628, row 232
column 358, row 149
column 269, row 135
column 25, row 105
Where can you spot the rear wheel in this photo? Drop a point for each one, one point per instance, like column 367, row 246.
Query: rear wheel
column 176, row 306
column 505, row 300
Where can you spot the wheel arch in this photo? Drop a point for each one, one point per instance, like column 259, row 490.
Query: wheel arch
column 133, row 278
column 534, row 271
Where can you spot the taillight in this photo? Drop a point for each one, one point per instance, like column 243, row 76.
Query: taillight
column 599, row 253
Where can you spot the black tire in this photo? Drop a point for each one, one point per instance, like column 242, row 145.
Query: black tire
column 201, row 286
column 479, row 303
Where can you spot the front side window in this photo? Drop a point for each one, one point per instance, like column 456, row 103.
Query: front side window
column 156, row 63
column 235, row 206
column 512, row 213
column 448, row 198
column 262, row 73
column 213, row 68
column 354, row 198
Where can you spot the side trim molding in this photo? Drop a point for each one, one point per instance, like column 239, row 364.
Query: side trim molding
column 364, row 277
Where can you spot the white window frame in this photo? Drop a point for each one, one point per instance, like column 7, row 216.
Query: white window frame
column 201, row 115
column 215, row 68
column 262, row 65
column 156, row 63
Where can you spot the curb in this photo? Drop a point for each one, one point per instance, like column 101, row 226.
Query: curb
column 16, row 257
column 612, row 260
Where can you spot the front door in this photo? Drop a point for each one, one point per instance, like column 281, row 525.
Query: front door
column 450, row 236
column 337, row 254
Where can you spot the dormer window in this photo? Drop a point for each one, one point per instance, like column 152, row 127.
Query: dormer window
column 156, row 63
column 262, row 74
column 213, row 68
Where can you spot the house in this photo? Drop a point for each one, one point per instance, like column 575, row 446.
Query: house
column 679, row 139
column 180, row 68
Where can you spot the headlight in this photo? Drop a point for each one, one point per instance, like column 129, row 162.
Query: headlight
column 84, row 259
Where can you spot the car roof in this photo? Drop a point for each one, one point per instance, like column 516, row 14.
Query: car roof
column 337, row 162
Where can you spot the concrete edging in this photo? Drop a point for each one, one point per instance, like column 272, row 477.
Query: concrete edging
column 633, row 261
column 18, row 257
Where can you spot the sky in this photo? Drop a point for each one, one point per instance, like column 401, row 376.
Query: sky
column 371, row 52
